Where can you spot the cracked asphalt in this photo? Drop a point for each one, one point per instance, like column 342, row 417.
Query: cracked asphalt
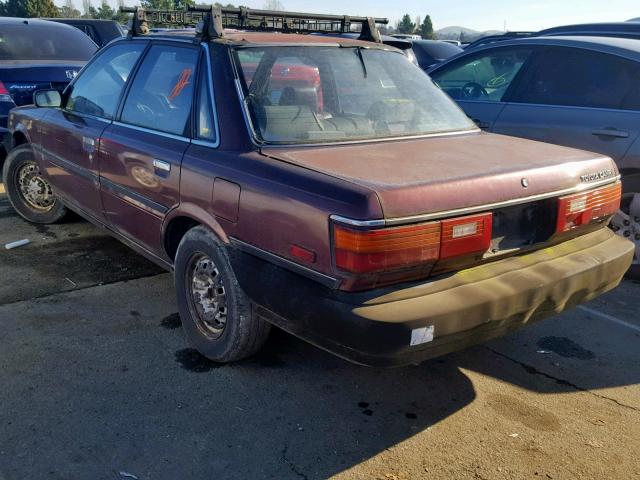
column 97, row 382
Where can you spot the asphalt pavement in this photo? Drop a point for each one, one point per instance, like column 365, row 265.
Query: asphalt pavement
column 97, row 382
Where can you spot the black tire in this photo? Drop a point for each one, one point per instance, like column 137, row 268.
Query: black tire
column 21, row 158
column 243, row 333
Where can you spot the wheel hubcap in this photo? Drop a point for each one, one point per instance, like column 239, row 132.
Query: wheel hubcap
column 207, row 295
column 34, row 189
column 627, row 221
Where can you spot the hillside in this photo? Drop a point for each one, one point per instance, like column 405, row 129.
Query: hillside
column 468, row 34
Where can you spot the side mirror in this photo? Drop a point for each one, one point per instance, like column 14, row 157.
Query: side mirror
column 47, row 98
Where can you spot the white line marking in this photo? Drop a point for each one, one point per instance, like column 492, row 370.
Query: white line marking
column 610, row 318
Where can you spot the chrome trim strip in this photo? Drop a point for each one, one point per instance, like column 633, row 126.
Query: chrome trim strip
column 212, row 95
column 388, row 222
column 155, row 132
column 86, row 115
column 204, row 143
column 321, row 278
column 134, row 198
column 372, row 140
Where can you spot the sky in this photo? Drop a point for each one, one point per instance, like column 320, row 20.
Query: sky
column 476, row 14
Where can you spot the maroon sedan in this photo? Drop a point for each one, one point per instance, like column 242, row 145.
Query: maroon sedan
column 358, row 208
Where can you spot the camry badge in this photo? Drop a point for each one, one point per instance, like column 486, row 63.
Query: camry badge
column 524, row 182
column 71, row 74
column 590, row 177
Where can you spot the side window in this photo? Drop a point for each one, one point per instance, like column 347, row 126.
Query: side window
column 97, row 90
column 485, row 77
column 162, row 90
column 206, row 127
column 572, row 77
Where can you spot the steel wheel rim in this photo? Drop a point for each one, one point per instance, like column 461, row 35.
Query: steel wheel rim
column 34, row 189
column 206, row 295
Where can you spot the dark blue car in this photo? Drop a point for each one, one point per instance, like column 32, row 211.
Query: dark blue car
column 37, row 54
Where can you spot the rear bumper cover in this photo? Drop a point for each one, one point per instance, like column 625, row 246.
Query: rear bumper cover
column 471, row 306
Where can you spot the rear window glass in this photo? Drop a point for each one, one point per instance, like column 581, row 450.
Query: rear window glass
column 437, row 50
column 44, row 42
column 327, row 94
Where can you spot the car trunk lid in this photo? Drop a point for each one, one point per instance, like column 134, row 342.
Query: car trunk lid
column 425, row 176
column 22, row 78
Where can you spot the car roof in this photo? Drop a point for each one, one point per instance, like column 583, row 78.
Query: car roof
column 622, row 46
column 620, row 27
column 246, row 38
column 31, row 21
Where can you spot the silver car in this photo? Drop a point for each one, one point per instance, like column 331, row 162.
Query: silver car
column 581, row 92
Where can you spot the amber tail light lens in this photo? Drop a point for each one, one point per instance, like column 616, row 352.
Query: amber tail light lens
column 365, row 251
column 394, row 248
column 584, row 208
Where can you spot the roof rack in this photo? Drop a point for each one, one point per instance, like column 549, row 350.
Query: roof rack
column 210, row 21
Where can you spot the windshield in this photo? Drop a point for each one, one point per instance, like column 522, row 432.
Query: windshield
column 44, row 42
column 329, row 94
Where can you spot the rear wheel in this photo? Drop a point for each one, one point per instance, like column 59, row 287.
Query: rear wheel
column 28, row 191
column 216, row 314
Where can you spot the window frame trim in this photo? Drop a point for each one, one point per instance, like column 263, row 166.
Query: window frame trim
column 66, row 94
column 134, row 73
column 212, row 107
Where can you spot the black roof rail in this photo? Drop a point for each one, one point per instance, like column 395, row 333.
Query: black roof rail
column 210, row 21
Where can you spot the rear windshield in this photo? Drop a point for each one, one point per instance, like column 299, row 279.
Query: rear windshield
column 44, row 42
column 327, row 94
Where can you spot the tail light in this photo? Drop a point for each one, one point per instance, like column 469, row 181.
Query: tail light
column 385, row 249
column 584, row 208
column 4, row 94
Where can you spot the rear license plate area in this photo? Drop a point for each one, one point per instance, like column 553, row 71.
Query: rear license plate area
column 523, row 225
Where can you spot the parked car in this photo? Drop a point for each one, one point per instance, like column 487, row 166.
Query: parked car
column 615, row 29
column 497, row 38
column 576, row 91
column 431, row 52
column 100, row 31
column 381, row 224
column 37, row 54
column 406, row 36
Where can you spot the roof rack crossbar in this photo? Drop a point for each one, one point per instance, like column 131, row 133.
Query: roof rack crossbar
column 211, row 20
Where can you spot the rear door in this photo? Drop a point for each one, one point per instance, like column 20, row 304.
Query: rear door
column 70, row 136
column 141, row 153
column 577, row 98
column 480, row 83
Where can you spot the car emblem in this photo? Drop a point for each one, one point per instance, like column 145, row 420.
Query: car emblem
column 590, row 177
column 71, row 74
column 524, row 182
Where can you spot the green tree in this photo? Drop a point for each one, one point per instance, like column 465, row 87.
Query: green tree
column 41, row 8
column 68, row 10
column 105, row 11
column 406, row 25
column 426, row 29
column 13, row 8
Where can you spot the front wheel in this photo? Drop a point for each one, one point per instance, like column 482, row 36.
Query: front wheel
column 28, row 191
column 216, row 314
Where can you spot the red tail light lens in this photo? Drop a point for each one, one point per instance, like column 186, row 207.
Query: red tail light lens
column 385, row 249
column 365, row 251
column 466, row 235
column 584, row 208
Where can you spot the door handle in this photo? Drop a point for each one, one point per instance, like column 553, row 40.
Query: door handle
column 610, row 132
column 161, row 165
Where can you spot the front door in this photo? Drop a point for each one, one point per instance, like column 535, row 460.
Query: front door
column 71, row 135
column 141, row 154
